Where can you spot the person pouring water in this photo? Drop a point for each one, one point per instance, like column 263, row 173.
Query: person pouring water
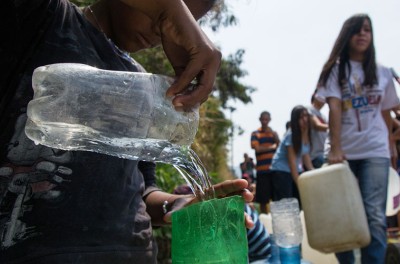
column 65, row 207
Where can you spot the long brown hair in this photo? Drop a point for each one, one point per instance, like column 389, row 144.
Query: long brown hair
column 296, row 129
column 340, row 53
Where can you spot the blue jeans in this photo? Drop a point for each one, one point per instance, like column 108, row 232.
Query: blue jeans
column 372, row 175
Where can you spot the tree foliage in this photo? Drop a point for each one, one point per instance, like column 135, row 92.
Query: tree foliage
column 228, row 80
column 219, row 16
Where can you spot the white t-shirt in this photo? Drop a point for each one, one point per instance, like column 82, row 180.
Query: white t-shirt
column 317, row 137
column 364, row 133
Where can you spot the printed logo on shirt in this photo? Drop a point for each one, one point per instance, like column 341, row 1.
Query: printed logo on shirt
column 35, row 176
column 361, row 101
column 355, row 96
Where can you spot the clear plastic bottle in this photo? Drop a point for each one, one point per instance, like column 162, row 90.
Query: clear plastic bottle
column 274, row 256
column 124, row 114
column 287, row 228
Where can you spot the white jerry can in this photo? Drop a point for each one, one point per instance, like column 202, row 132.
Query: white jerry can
column 333, row 209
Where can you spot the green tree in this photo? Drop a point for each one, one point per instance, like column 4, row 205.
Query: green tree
column 228, row 80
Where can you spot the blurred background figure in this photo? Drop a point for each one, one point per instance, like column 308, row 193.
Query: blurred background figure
column 292, row 153
column 264, row 141
column 287, row 126
column 247, row 168
column 319, row 130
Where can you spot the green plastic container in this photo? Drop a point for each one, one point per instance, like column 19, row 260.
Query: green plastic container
column 212, row 231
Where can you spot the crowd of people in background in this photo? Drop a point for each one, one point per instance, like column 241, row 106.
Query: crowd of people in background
column 363, row 129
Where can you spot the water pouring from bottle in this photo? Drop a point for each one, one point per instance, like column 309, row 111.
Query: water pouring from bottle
column 123, row 114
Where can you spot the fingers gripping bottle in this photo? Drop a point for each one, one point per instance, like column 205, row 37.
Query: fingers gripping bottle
column 124, row 114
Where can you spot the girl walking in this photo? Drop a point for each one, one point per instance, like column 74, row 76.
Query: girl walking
column 360, row 94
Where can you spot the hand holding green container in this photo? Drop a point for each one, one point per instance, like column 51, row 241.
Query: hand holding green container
column 211, row 231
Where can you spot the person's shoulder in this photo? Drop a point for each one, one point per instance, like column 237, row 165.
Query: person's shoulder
column 256, row 131
column 288, row 134
column 312, row 110
column 272, row 131
column 381, row 66
column 384, row 70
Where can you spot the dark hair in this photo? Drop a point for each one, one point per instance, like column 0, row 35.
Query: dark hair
column 313, row 96
column 287, row 125
column 296, row 130
column 340, row 53
column 265, row 113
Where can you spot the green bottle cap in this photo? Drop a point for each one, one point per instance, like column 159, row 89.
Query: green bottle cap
column 211, row 231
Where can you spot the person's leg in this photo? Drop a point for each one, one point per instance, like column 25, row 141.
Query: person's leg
column 282, row 185
column 263, row 208
column 296, row 194
column 252, row 178
column 269, row 177
column 372, row 176
column 263, row 191
column 345, row 257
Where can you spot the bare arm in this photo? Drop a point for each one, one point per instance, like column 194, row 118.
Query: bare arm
column 187, row 47
column 307, row 162
column 155, row 200
column 292, row 163
column 389, row 125
column 396, row 127
column 259, row 149
column 276, row 137
column 335, row 112
column 318, row 125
